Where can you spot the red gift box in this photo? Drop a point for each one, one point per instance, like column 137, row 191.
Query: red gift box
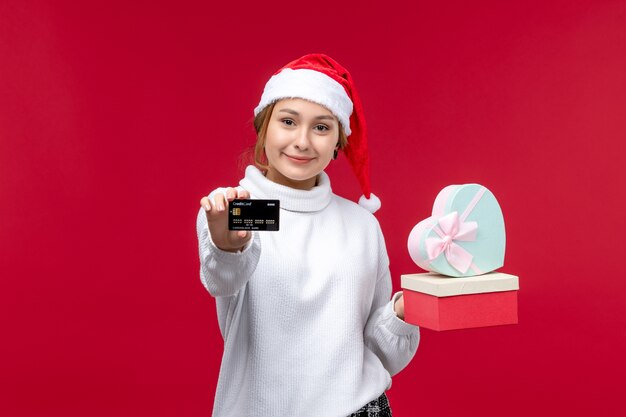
column 440, row 303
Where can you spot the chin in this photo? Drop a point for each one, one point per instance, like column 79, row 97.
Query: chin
column 296, row 175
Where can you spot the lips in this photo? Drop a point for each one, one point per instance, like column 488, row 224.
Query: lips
column 299, row 159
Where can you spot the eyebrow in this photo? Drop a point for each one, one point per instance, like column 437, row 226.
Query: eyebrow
column 295, row 113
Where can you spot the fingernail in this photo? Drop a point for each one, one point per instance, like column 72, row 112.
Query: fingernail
column 220, row 207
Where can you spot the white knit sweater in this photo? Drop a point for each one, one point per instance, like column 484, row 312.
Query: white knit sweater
column 305, row 312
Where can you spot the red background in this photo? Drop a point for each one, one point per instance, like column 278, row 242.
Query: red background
column 116, row 117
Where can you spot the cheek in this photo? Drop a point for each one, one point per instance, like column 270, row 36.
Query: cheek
column 273, row 141
column 327, row 148
column 328, row 154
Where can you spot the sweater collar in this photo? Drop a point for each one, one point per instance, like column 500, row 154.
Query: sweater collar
column 291, row 199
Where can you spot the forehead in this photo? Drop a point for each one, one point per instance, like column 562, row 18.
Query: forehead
column 303, row 106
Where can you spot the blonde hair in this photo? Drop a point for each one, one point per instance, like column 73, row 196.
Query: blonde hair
column 261, row 121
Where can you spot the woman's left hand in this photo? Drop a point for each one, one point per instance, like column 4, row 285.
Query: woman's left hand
column 398, row 307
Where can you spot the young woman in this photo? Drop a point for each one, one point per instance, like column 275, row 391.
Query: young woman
column 309, row 324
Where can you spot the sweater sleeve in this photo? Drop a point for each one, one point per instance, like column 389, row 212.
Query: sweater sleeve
column 224, row 273
column 393, row 340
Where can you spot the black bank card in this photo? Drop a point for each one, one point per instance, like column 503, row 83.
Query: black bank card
column 260, row 215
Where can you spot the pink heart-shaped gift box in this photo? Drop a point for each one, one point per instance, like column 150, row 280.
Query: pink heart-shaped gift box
column 464, row 236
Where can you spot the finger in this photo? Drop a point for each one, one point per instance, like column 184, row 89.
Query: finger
column 231, row 194
column 242, row 237
column 243, row 194
column 206, row 204
column 220, row 202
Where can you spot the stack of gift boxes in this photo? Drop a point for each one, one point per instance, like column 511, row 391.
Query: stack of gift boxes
column 462, row 245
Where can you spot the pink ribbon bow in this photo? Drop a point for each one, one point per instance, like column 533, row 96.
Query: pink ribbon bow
column 451, row 229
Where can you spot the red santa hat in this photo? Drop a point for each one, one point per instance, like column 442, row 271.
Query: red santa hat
column 322, row 80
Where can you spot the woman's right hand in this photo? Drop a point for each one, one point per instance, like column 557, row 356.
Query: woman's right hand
column 217, row 217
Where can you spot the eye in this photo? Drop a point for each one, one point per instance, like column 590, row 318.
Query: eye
column 288, row 122
column 321, row 128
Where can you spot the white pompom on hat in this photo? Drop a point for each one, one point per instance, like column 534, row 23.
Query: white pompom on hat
column 322, row 80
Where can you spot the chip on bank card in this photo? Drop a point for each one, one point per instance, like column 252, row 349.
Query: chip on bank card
column 261, row 215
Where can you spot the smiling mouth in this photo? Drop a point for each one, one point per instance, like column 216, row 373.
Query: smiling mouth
column 299, row 159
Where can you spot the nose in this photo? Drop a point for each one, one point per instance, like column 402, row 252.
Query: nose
column 302, row 140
